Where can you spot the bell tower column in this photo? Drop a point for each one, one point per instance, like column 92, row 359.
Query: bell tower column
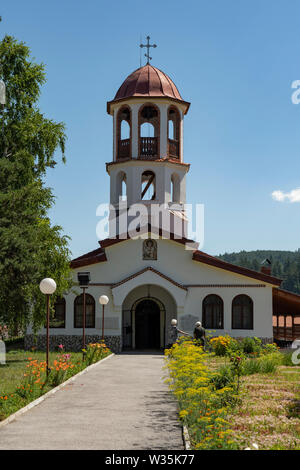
column 135, row 129
column 163, row 130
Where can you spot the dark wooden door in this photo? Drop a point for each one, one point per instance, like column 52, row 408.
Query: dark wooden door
column 147, row 325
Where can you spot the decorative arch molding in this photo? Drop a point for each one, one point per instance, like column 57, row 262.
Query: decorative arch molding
column 157, row 301
column 148, row 276
column 124, row 146
column 149, row 147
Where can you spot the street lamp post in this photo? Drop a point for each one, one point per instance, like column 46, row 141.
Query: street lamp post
column 47, row 287
column 103, row 301
column 84, row 280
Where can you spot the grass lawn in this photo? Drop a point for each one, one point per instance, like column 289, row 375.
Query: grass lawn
column 23, row 378
column 11, row 374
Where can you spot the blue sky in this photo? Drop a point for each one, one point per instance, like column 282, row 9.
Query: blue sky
column 234, row 60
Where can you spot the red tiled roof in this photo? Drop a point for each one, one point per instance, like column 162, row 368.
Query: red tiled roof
column 148, row 81
column 93, row 257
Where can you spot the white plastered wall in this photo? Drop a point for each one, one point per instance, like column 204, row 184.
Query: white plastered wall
column 125, row 259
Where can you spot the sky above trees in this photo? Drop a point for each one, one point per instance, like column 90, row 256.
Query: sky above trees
column 235, row 61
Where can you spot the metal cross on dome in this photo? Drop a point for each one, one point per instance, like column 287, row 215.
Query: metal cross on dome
column 148, row 45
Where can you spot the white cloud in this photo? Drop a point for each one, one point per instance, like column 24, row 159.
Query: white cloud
column 292, row 196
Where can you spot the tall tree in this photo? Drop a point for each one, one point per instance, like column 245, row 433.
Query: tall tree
column 30, row 248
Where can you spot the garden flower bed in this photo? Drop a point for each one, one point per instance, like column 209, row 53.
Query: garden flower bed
column 203, row 404
column 21, row 385
column 236, row 394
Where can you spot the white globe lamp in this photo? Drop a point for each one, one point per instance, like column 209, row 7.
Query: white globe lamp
column 103, row 301
column 48, row 286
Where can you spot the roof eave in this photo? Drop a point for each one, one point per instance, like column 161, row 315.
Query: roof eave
column 148, row 97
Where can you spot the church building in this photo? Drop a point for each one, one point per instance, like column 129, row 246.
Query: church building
column 158, row 276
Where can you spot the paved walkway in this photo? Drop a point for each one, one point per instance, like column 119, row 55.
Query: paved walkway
column 121, row 403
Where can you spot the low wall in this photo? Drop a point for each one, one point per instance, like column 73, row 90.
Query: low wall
column 70, row 342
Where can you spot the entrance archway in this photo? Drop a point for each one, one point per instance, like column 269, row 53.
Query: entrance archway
column 133, row 320
column 147, row 325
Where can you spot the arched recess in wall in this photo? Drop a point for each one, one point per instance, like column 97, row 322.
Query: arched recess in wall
column 173, row 132
column 124, row 133
column 149, row 131
column 148, row 185
column 175, row 188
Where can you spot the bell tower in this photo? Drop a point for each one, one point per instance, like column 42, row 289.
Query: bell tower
column 148, row 166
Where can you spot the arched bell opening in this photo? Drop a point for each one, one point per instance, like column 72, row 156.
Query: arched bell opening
column 124, row 133
column 173, row 132
column 121, row 183
column 148, row 181
column 149, row 122
column 175, row 188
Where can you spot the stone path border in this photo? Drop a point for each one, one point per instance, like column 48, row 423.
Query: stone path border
column 51, row 392
column 186, row 438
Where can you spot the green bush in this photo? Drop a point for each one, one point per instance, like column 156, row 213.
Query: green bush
column 251, row 345
column 270, row 348
column 224, row 377
column 251, row 366
column 268, row 365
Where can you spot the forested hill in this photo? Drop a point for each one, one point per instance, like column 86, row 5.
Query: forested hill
column 285, row 264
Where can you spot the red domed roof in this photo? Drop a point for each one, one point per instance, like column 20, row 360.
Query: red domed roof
column 148, row 81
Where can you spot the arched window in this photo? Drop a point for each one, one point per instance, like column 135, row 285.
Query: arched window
column 171, row 133
column 149, row 131
column 89, row 311
column 125, row 130
column 213, row 312
column 58, row 318
column 121, row 187
column 175, row 188
column 148, row 186
column 174, row 132
column 242, row 313
column 124, row 133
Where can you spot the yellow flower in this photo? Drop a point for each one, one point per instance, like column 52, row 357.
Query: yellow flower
column 183, row 414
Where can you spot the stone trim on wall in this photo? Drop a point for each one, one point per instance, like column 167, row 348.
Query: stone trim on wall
column 71, row 342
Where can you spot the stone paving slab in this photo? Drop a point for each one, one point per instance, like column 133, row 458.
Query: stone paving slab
column 120, row 404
